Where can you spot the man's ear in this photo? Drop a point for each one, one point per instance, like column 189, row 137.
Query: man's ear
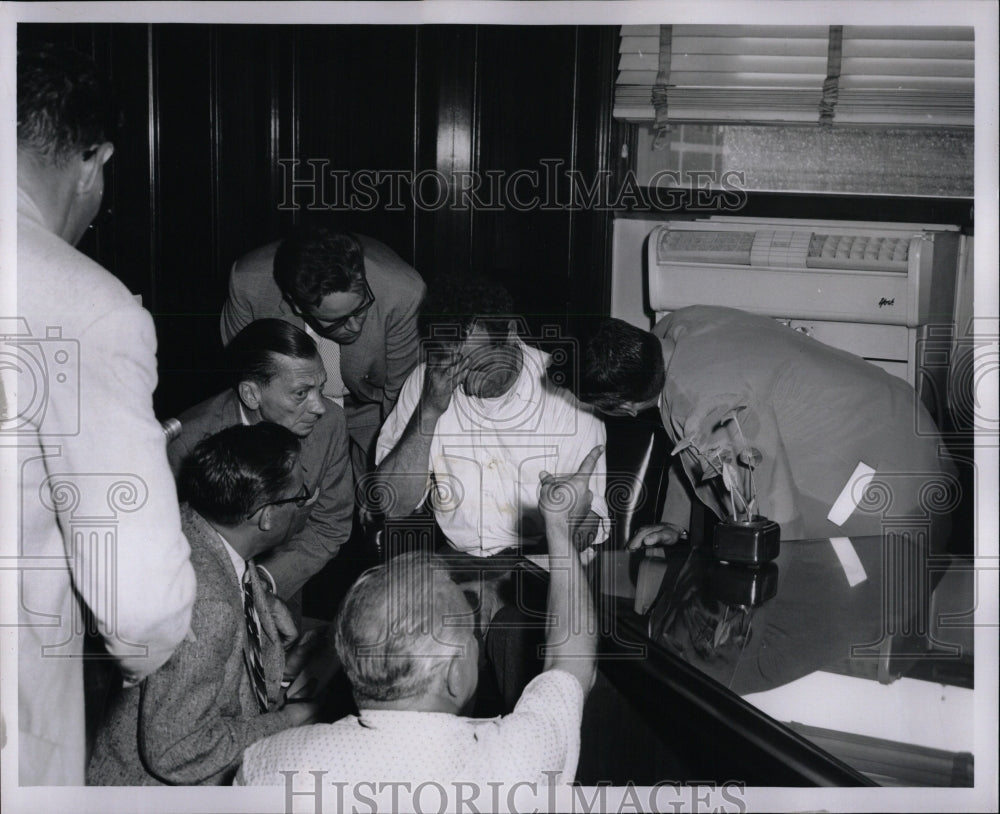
column 511, row 329
column 265, row 519
column 455, row 680
column 91, row 168
column 249, row 393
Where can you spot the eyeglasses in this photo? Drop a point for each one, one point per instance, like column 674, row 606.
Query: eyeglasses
column 323, row 326
column 300, row 500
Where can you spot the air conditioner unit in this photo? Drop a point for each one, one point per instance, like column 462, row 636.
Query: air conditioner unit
column 873, row 289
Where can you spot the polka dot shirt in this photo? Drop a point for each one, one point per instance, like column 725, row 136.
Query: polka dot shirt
column 541, row 735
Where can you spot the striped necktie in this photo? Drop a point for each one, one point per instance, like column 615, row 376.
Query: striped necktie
column 254, row 660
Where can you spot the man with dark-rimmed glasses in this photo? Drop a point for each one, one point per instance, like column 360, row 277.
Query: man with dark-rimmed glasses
column 222, row 690
column 356, row 298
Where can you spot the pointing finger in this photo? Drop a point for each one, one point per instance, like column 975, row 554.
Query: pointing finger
column 588, row 464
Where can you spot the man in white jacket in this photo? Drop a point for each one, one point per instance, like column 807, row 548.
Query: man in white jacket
column 99, row 520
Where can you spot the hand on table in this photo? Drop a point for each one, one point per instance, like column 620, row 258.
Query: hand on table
column 655, row 535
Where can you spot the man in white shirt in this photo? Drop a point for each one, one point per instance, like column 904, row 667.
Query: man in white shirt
column 475, row 425
column 405, row 638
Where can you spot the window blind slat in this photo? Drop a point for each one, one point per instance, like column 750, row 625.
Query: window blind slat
column 903, row 69
column 911, row 32
column 717, row 80
column 755, row 46
column 715, row 63
column 909, row 49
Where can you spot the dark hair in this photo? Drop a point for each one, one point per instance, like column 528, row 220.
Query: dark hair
column 621, row 363
column 453, row 304
column 314, row 261
column 64, row 103
column 251, row 354
column 231, row 473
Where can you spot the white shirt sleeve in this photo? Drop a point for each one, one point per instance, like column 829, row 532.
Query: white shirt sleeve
column 396, row 421
column 541, row 736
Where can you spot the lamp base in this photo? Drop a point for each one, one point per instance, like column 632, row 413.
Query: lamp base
column 751, row 542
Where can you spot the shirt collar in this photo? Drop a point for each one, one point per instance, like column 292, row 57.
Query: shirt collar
column 239, row 564
column 27, row 207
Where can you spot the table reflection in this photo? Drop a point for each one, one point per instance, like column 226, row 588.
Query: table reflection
column 819, row 639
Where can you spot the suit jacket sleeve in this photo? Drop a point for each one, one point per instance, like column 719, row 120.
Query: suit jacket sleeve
column 177, row 451
column 238, row 310
column 119, row 434
column 190, row 729
column 329, row 524
column 677, row 503
column 402, row 347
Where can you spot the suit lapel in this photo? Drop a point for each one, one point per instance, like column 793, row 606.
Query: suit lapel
column 272, row 654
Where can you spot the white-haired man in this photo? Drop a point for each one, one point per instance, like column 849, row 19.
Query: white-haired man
column 405, row 635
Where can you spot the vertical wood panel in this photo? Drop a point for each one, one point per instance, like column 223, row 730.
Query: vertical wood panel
column 248, row 126
column 445, row 129
column 356, row 114
column 187, row 309
column 526, row 120
column 590, row 235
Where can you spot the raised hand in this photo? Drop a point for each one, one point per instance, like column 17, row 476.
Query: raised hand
column 441, row 377
column 565, row 499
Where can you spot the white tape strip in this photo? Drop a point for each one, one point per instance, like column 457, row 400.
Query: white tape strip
column 849, row 560
column 845, row 504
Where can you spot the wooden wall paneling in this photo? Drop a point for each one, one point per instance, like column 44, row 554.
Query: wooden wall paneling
column 357, row 114
column 587, row 280
column 245, row 144
column 526, row 98
column 186, row 177
column 446, row 130
column 283, row 75
column 127, row 219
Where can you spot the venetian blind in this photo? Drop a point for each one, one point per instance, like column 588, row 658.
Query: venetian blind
column 858, row 75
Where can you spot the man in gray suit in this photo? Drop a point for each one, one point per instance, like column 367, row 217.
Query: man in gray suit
column 189, row 723
column 357, row 299
column 277, row 376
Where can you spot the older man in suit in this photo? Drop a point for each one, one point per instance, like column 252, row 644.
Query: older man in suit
column 356, row 298
column 277, row 376
column 189, row 723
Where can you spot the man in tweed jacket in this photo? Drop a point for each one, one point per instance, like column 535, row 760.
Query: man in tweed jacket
column 188, row 723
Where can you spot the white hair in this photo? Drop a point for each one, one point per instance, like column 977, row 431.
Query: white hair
column 399, row 624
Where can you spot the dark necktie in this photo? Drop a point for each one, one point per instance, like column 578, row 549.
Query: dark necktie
column 255, row 663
